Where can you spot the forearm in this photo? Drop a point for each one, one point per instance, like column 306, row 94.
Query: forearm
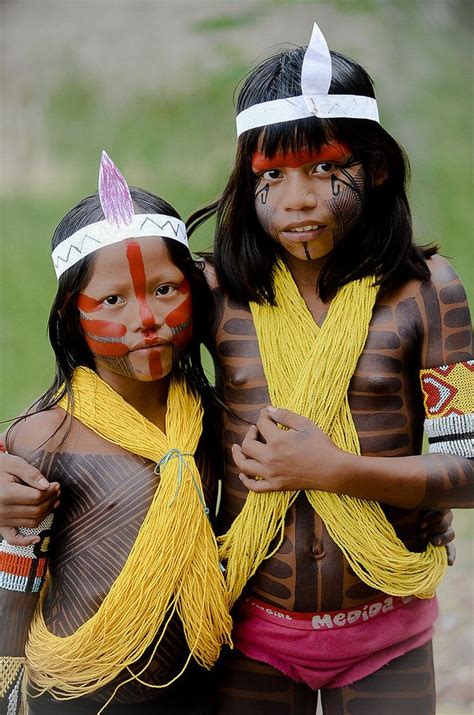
column 430, row 481
column 22, row 572
column 16, row 612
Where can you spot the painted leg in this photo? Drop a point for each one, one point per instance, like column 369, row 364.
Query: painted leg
column 249, row 687
column 405, row 686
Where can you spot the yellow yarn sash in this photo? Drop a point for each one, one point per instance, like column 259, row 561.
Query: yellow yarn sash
column 172, row 567
column 308, row 370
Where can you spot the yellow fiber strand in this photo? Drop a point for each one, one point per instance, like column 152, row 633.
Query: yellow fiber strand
column 173, row 564
column 308, row 370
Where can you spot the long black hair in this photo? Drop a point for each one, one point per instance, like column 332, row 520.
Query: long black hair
column 381, row 243
column 66, row 334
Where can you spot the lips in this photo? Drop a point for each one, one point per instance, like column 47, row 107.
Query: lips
column 148, row 345
column 303, row 231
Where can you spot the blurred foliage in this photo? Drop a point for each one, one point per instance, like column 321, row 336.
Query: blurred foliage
column 181, row 146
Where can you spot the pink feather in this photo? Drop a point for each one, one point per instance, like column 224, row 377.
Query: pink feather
column 114, row 193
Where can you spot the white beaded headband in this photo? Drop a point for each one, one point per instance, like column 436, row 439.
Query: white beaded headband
column 119, row 224
column 314, row 100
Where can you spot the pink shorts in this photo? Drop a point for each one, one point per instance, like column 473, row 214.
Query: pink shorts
column 333, row 648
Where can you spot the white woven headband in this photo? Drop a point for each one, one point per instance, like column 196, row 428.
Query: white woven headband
column 120, row 222
column 314, row 100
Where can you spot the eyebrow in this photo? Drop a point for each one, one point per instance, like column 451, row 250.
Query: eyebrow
column 328, row 152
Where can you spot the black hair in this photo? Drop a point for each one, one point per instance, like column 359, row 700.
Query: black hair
column 380, row 244
column 66, row 334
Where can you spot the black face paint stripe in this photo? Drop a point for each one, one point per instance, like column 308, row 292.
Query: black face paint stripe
column 263, row 194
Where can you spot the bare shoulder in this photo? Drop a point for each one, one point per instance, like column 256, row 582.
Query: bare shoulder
column 433, row 314
column 448, row 330
column 45, row 430
column 442, row 272
column 444, row 283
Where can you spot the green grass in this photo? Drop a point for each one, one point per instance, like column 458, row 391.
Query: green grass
column 182, row 146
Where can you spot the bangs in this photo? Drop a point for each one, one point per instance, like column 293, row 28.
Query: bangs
column 309, row 134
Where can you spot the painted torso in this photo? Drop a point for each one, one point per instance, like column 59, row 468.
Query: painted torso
column 106, row 493
column 309, row 572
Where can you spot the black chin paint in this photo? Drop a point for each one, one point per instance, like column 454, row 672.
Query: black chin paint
column 307, row 253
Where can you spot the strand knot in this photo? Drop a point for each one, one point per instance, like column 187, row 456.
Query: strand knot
column 175, row 453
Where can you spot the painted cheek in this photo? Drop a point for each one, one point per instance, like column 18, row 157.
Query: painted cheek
column 265, row 213
column 137, row 274
column 87, row 304
column 104, row 337
column 346, row 203
column 180, row 320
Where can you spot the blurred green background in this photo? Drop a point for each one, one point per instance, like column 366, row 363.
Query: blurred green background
column 152, row 82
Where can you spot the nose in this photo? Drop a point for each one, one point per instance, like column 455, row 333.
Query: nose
column 144, row 318
column 300, row 193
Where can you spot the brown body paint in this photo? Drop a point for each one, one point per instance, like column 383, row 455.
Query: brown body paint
column 409, row 329
column 109, row 493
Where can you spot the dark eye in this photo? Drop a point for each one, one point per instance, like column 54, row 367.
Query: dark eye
column 271, row 174
column 113, row 300
column 325, row 167
column 165, row 289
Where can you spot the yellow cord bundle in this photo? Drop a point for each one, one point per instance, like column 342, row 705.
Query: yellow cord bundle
column 172, row 566
column 308, row 370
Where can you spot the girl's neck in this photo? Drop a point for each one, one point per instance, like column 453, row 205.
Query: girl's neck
column 148, row 398
column 305, row 273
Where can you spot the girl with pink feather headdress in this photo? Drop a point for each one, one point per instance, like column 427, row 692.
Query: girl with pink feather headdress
column 120, row 604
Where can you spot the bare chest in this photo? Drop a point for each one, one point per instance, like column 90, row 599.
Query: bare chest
column 309, row 572
column 384, row 394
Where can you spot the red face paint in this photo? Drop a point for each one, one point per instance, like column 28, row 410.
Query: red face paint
column 154, row 362
column 137, row 273
column 88, row 304
column 102, row 336
column 180, row 319
column 329, row 152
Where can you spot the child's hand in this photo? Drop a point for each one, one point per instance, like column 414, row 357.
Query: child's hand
column 435, row 527
column 301, row 457
column 26, row 497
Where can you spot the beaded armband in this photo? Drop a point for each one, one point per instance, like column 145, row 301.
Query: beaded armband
column 11, row 676
column 448, row 393
column 23, row 568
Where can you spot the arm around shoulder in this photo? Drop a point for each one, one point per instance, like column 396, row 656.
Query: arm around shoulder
column 26, row 496
column 23, row 567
